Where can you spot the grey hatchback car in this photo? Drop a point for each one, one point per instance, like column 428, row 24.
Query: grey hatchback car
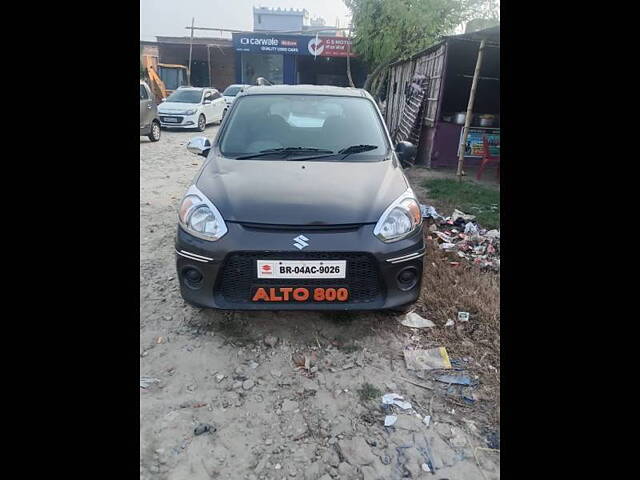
column 149, row 121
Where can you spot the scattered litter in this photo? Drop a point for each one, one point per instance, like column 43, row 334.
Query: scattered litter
column 444, row 237
column 458, row 214
column 429, row 212
column 427, row 420
column 425, row 468
column 469, row 399
column 204, row 428
column 395, row 399
column 219, row 377
column 463, row 316
column 471, row 229
column 146, row 382
column 454, row 379
column 461, row 236
column 390, row 420
column 450, row 323
column 414, row 320
column 427, row 359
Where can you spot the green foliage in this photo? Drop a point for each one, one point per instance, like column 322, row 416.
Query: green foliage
column 390, row 30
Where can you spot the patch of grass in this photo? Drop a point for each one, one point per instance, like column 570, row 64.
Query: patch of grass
column 471, row 198
column 368, row 392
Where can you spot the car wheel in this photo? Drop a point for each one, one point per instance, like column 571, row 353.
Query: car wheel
column 154, row 135
column 202, row 123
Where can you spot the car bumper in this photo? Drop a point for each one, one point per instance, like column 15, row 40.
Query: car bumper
column 229, row 273
column 186, row 121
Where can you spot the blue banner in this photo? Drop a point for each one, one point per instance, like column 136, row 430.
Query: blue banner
column 273, row 44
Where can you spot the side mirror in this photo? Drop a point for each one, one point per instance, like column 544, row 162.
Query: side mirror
column 199, row 146
column 206, row 102
column 163, row 100
column 405, row 151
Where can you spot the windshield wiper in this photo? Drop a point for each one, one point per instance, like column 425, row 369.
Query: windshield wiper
column 286, row 150
column 356, row 149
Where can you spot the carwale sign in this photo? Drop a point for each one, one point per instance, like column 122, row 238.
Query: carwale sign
column 291, row 44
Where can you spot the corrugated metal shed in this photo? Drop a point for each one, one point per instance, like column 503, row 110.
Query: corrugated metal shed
column 433, row 64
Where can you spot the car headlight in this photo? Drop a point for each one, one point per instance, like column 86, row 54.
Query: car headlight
column 200, row 217
column 190, row 112
column 400, row 219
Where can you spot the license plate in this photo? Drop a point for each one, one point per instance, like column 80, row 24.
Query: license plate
column 171, row 120
column 268, row 294
column 302, row 268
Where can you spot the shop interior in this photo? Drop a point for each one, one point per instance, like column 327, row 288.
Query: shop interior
column 461, row 63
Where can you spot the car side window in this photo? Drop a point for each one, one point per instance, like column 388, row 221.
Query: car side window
column 215, row 95
column 143, row 93
column 207, row 96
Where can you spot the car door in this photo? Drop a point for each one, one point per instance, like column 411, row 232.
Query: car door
column 146, row 107
column 219, row 104
column 208, row 107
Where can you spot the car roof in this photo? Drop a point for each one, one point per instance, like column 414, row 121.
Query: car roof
column 305, row 90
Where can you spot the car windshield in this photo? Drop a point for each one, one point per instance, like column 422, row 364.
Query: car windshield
column 185, row 96
column 301, row 124
column 231, row 91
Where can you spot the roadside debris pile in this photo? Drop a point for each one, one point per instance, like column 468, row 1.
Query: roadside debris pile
column 461, row 237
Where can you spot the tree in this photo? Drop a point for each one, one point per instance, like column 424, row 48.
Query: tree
column 386, row 31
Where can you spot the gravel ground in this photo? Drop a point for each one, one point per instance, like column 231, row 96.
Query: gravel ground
column 244, row 374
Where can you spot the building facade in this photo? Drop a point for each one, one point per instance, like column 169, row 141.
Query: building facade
column 279, row 20
column 296, row 59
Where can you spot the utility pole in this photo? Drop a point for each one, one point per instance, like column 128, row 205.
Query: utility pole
column 467, row 120
column 349, row 58
column 190, row 52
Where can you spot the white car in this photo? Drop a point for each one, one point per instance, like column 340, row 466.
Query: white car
column 231, row 91
column 191, row 107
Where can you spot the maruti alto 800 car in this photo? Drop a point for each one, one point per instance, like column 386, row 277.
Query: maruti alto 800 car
column 301, row 204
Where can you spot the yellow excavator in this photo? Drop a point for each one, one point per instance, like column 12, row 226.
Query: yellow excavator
column 164, row 78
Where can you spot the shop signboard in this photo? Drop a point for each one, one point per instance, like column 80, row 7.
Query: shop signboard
column 317, row 46
column 475, row 147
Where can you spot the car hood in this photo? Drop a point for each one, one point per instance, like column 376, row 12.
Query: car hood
column 301, row 192
column 173, row 107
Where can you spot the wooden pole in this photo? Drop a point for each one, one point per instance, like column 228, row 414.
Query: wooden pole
column 467, row 120
column 349, row 59
column 190, row 52
column 209, row 66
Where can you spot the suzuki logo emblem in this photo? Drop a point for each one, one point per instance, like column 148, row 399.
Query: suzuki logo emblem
column 300, row 242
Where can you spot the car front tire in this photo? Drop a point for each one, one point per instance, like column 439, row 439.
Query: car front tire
column 154, row 135
column 202, row 123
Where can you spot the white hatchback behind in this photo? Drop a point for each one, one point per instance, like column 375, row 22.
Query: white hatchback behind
column 192, row 107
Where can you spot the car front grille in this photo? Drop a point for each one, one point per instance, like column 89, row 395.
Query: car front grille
column 238, row 275
column 163, row 118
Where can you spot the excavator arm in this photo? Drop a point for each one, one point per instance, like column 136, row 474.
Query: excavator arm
column 156, row 84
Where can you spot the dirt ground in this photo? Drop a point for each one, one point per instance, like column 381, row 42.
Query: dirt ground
column 274, row 419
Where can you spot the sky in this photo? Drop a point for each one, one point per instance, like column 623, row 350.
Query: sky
column 169, row 17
